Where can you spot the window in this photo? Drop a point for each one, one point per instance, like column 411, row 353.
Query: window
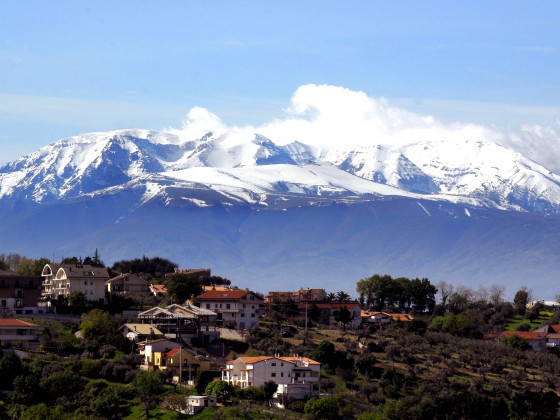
column 91, row 283
column 207, row 306
column 282, row 374
column 85, row 282
column 252, row 315
column 3, row 303
column 242, row 314
column 243, row 306
column 228, row 306
column 273, row 374
column 273, row 363
column 91, row 292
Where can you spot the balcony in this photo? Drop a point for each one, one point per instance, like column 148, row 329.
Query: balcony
column 16, row 337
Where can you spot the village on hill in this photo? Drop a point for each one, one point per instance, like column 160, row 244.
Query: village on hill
column 144, row 338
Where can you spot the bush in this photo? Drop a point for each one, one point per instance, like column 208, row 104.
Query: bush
column 324, row 408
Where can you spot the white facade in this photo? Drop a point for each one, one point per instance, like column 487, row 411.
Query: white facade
column 61, row 280
column 285, row 371
column 240, row 307
column 196, row 403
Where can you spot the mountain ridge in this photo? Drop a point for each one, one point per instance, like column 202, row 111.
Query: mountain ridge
column 480, row 172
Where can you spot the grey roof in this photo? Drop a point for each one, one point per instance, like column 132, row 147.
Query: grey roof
column 177, row 311
column 76, row 271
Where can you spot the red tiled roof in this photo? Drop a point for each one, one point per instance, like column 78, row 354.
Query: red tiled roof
column 555, row 328
column 223, row 294
column 218, row 288
column 295, row 359
column 8, row 322
column 173, row 352
column 525, row 334
column 254, row 359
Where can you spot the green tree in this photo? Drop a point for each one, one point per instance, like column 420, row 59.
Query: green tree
column 515, row 341
column 342, row 296
column 323, row 408
column 26, row 389
column 38, row 266
column 10, row 366
column 314, row 313
column 325, row 354
column 4, row 266
column 77, row 298
column 521, row 300
column 148, row 384
column 41, row 411
column 220, row 389
column 71, row 260
column 269, row 389
column 62, row 383
column 96, row 325
column 182, row 287
column 344, row 316
column 25, row 267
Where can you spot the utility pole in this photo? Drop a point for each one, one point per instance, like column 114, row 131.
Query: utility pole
column 306, row 317
column 180, row 363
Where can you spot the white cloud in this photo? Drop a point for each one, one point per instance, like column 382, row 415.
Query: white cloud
column 327, row 116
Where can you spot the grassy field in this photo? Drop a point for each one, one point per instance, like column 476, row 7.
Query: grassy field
column 517, row 320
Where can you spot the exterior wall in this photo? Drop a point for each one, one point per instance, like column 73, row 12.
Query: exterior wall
column 244, row 312
column 19, row 293
column 62, row 280
column 159, row 346
column 196, row 403
column 275, row 369
column 93, row 289
column 128, row 284
column 21, row 337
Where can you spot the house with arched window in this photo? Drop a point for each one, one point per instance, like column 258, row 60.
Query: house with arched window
column 62, row 279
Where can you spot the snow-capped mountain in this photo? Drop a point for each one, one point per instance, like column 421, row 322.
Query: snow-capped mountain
column 249, row 168
column 472, row 212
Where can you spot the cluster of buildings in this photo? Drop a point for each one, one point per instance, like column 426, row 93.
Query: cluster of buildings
column 546, row 337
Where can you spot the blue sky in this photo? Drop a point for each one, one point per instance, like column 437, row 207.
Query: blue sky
column 69, row 67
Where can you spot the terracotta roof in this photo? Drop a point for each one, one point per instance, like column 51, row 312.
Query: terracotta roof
column 490, row 336
column 218, row 288
column 224, row 294
column 525, row 334
column 173, row 352
column 255, row 359
column 304, row 359
column 158, row 288
column 555, row 328
column 8, row 322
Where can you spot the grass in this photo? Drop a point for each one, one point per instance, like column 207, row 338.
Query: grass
column 517, row 320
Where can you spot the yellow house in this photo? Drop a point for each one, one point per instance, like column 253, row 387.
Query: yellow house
column 191, row 362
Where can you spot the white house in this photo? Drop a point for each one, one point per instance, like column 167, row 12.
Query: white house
column 196, row 403
column 62, row 279
column 298, row 377
column 241, row 307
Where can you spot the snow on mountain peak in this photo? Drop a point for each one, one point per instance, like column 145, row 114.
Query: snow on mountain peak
column 348, row 131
